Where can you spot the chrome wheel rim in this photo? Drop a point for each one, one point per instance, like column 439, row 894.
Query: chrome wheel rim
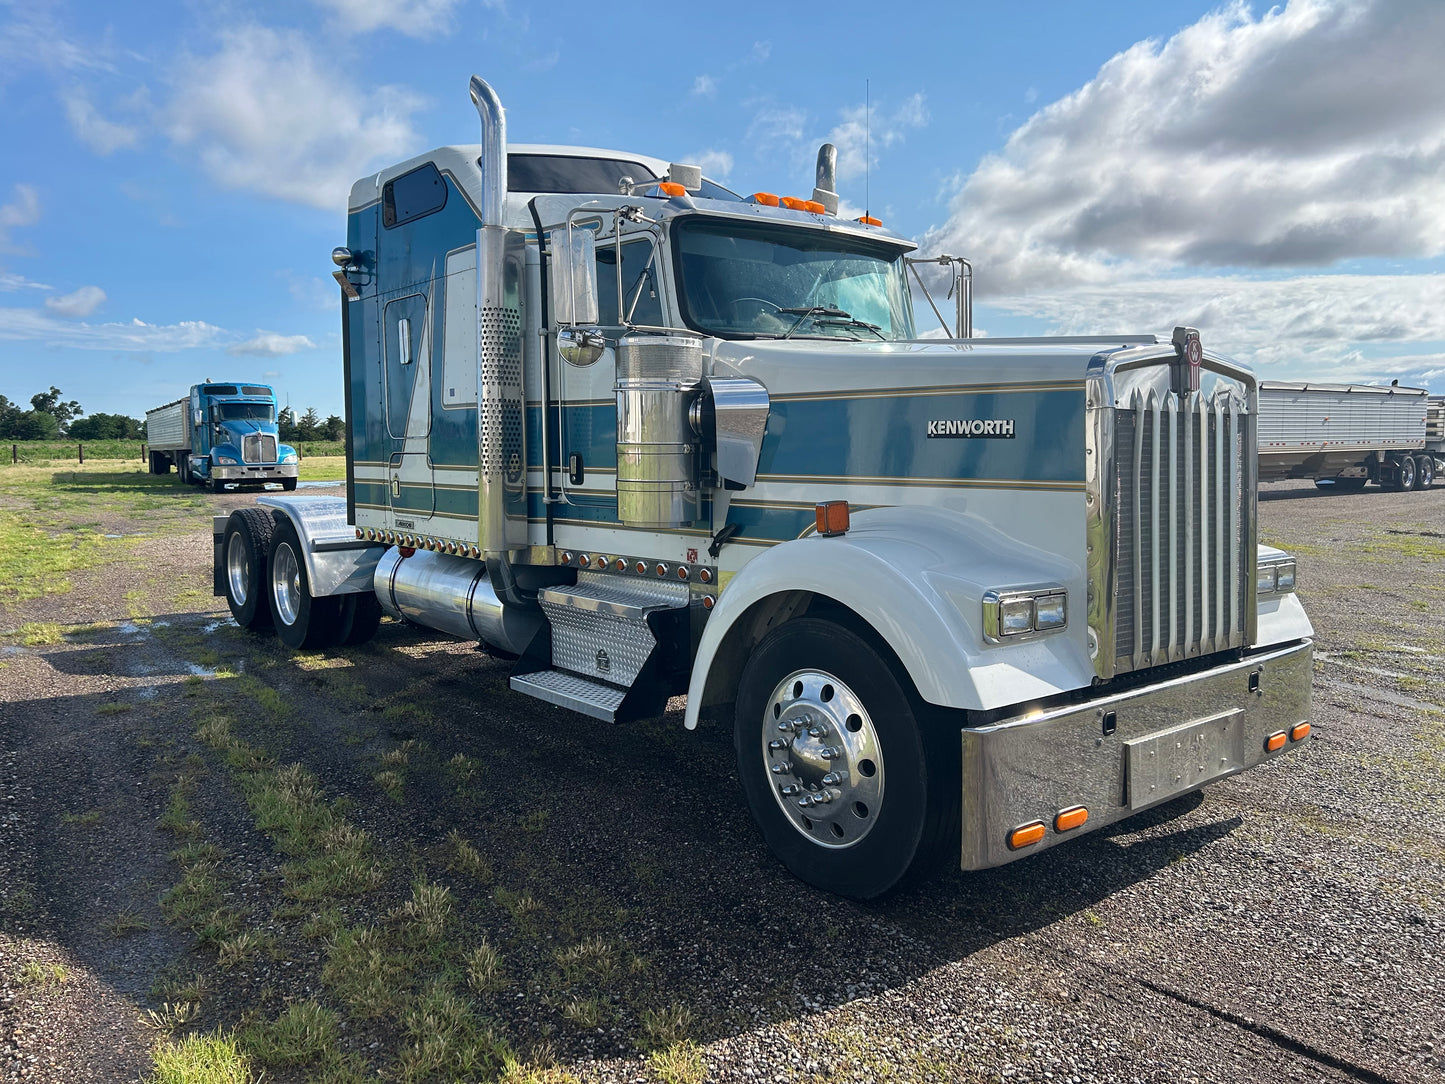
column 822, row 757
column 238, row 568
column 286, row 583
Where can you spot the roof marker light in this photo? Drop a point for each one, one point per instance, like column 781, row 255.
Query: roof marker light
column 792, row 203
column 767, row 199
column 869, row 220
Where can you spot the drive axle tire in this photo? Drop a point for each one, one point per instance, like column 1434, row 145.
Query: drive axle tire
column 851, row 791
column 360, row 616
column 245, row 548
column 302, row 622
column 1424, row 472
column 1405, row 474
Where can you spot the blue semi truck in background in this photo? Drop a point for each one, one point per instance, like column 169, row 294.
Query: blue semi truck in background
column 221, row 434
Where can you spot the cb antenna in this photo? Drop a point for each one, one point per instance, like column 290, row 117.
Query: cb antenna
column 867, row 146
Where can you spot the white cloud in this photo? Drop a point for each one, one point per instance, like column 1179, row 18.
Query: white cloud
column 761, row 51
column 704, row 86
column 23, row 210
column 264, row 114
column 716, row 164
column 268, row 344
column 36, row 325
column 32, row 38
column 1310, row 135
column 100, row 135
column 414, row 18
column 858, row 131
column 77, row 305
column 10, row 283
column 775, row 125
column 1209, row 179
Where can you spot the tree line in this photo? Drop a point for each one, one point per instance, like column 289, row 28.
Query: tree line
column 52, row 417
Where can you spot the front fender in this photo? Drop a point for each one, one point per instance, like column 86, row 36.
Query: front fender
column 917, row 576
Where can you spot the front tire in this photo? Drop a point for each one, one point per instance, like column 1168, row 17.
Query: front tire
column 247, row 546
column 217, row 485
column 302, row 622
column 850, row 792
column 288, row 484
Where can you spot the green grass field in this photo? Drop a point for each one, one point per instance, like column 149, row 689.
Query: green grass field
column 43, row 452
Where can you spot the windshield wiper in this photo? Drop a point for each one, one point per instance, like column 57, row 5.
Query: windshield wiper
column 812, row 310
column 850, row 322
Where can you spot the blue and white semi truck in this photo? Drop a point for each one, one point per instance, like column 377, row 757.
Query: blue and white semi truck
column 221, row 434
column 644, row 437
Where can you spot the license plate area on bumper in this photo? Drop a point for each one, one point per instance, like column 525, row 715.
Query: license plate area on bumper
column 1163, row 765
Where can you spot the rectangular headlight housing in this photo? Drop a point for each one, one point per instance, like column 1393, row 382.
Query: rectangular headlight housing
column 1015, row 613
column 1276, row 575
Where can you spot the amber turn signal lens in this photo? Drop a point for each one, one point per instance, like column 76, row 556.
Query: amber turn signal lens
column 1300, row 731
column 833, row 517
column 1026, row 836
column 1070, row 818
column 792, row 203
column 1274, row 742
column 815, row 207
column 767, row 199
column 667, row 188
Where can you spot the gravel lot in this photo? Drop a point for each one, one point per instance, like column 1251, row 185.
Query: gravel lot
column 1288, row 924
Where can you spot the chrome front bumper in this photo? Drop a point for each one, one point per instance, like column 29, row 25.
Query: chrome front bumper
column 263, row 472
column 1120, row 754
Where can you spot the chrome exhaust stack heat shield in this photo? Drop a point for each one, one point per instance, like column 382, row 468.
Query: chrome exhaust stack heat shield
column 451, row 595
column 501, row 516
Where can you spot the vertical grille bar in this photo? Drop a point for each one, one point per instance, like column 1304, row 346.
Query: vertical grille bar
column 1171, row 599
column 1140, row 416
column 1188, row 416
column 1225, row 525
column 1240, row 533
column 1201, row 418
column 1154, row 502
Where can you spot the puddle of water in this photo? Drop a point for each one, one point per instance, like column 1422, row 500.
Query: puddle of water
column 12, row 649
column 211, row 626
column 197, row 670
column 127, row 628
column 318, row 485
column 148, row 693
column 112, row 536
column 160, row 624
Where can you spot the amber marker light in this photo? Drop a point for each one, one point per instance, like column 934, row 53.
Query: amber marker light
column 705, row 576
column 1070, row 818
column 641, row 568
column 833, row 518
column 707, row 603
column 620, row 564
column 767, row 199
column 792, row 203
column 815, row 207
column 682, row 572
column 1300, row 732
column 1275, row 742
column 869, row 220
column 1026, row 835
column 668, row 188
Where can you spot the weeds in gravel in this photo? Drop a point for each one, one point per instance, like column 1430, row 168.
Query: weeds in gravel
column 365, row 973
column 35, row 973
column 393, row 784
column 171, row 1016
column 423, row 918
column 200, row 1059
column 126, row 922
column 307, row 1033
column 665, row 1027
column 242, row 948
column 447, row 1040
column 178, row 984
column 113, row 708
column 177, row 815
column 484, row 968
column 39, row 634
column 679, row 1063
column 89, row 819
column 462, row 857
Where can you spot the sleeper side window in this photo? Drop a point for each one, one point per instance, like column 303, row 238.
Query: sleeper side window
column 413, row 195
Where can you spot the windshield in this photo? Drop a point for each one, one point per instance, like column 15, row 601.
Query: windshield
column 740, row 280
column 242, row 412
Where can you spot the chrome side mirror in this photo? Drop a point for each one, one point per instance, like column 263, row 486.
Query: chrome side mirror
column 573, row 279
column 690, row 177
column 580, row 346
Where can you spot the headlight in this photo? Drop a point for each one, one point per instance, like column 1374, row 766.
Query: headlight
column 292, row 458
column 1275, row 576
column 1012, row 613
column 226, row 460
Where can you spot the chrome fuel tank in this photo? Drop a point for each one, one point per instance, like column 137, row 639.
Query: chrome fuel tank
column 452, row 595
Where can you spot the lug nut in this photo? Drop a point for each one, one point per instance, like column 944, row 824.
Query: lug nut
column 780, row 769
column 830, row 752
column 791, row 789
column 805, row 801
column 833, row 778
column 785, row 726
column 776, row 744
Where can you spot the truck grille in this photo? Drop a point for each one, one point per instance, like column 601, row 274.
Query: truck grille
column 258, row 448
column 1183, row 540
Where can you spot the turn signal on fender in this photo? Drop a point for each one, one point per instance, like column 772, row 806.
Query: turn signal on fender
column 1275, row 742
column 832, row 518
column 1299, row 732
column 1070, row 818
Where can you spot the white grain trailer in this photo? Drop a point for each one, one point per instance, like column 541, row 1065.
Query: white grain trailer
column 168, row 436
column 1344, row 435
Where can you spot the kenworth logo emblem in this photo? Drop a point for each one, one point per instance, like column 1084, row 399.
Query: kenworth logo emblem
column 971, row 427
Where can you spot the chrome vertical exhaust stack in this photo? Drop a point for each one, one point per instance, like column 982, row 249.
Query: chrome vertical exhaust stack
column 494, row 150
column 826, row 188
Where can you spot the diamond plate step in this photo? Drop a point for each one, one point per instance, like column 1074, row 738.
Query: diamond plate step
column 569, row 691
column 599, row 625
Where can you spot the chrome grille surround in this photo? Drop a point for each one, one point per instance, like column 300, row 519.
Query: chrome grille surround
column 1171, row 510
column 258, row 448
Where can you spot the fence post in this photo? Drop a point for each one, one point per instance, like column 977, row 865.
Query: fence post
column 14, row 453
column 82, row 452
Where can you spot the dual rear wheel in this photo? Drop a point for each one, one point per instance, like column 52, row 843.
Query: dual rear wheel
column 267, row 587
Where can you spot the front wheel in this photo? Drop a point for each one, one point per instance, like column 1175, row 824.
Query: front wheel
column 217, row 485
column 288, row 484
column 302, row 622
column 849, row 790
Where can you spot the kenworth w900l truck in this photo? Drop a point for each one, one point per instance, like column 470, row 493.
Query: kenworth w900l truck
column 221, row 434
column 646, row 437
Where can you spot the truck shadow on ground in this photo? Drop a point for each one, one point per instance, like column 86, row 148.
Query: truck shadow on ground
column 614, row 869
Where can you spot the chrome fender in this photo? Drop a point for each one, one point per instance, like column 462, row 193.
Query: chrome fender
column 337, row 562
column 917, row 576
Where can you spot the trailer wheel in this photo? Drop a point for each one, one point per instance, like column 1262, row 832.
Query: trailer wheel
column 850, row 791
column 159, row 463
column 1405, row 474
column 302, row 622
column 1425, row 471
column 246, row 545
column 360, row 617
column 183, row 468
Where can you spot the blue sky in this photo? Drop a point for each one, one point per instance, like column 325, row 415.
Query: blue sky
column 174, row 174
